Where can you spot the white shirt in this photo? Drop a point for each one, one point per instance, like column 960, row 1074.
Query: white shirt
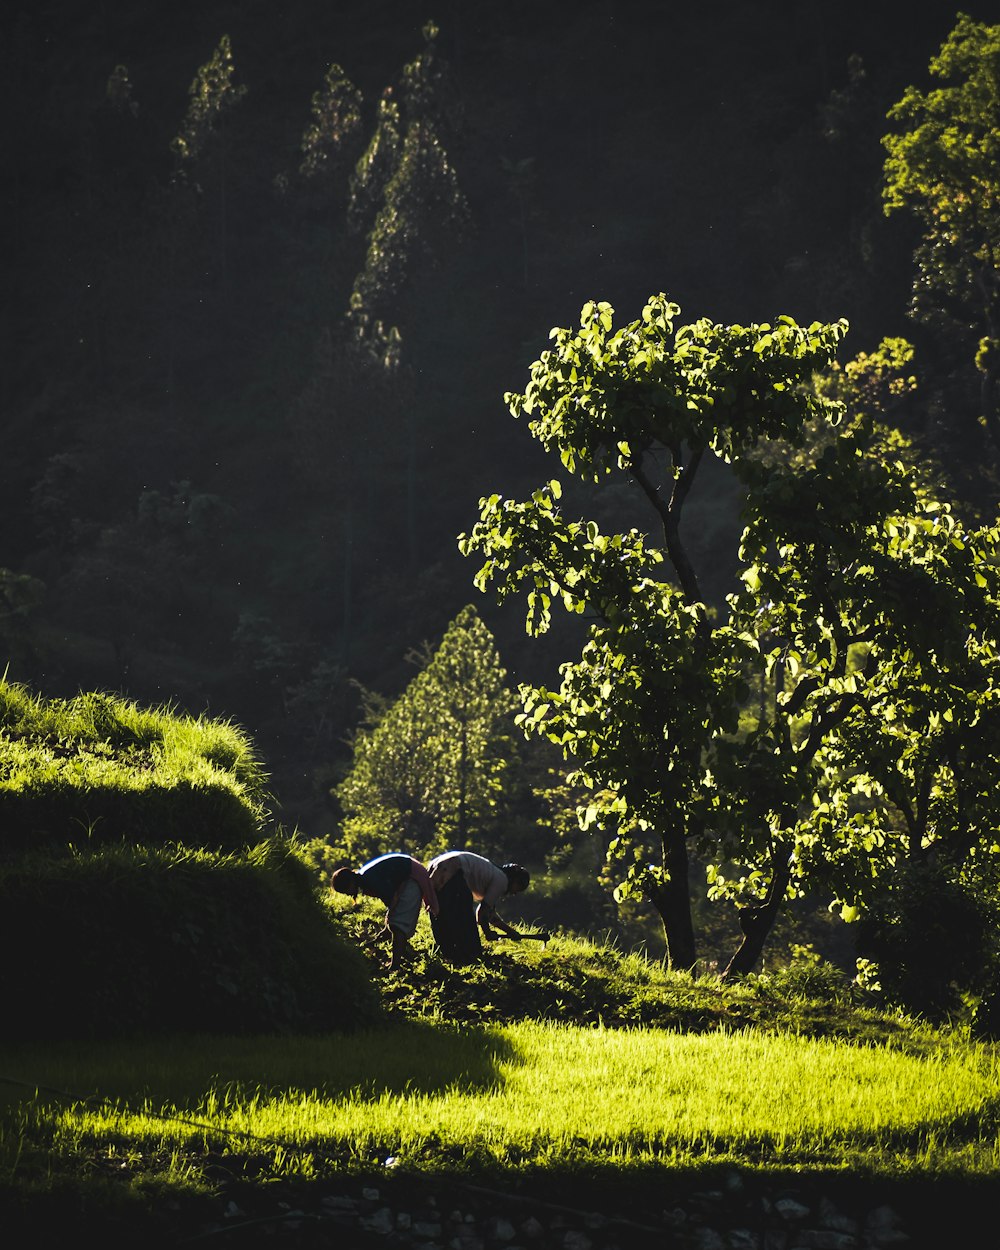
column 487, row 882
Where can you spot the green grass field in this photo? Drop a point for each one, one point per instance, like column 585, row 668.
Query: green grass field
column 798, row 1091
column 531, row 1095
column 779, row 1079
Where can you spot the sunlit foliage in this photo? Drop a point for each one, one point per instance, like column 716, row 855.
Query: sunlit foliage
column 942, row 166
column 428, row 772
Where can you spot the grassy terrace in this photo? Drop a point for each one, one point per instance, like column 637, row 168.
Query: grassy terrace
column 99, row 769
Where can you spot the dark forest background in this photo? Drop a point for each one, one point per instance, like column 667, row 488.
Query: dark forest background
column 216, row 493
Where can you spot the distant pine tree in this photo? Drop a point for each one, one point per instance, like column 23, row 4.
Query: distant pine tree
column 429, row 772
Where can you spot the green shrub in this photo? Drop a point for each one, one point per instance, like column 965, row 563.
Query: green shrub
column 130, row 941
column 931, row 941
column 807, row 976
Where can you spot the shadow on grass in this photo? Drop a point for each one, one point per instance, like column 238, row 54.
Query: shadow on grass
column 418, row 1056
column 415, row 1056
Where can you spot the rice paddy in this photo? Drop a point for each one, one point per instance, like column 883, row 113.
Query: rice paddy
column 531, row 1094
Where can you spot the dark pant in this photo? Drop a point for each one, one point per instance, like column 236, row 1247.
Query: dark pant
column 454, row 927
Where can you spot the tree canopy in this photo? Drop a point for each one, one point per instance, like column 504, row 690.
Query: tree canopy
column 941, row 165
column 854, row 583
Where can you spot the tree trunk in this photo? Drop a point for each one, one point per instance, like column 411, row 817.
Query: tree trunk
column 347, row 589
column 463, row 785
column 757, row 923
column 988, row 403
column 672, row 901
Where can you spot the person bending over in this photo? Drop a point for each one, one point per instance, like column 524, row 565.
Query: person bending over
column 468, row 888
column 402, row 883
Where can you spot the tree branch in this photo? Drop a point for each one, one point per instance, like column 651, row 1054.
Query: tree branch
column 670, row 516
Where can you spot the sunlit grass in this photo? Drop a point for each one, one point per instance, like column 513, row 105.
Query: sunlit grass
column 100, row 766
column 534, row 1095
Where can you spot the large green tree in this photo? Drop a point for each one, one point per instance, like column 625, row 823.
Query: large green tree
column 656, row 679
column 656, row 713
